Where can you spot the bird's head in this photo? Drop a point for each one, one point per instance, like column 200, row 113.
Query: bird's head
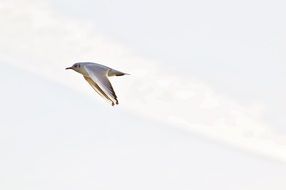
column 78, row 67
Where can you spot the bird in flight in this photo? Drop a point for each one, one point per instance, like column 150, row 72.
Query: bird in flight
column 97, row 76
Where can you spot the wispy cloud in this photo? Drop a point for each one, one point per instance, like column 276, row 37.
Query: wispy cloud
column 36, row 38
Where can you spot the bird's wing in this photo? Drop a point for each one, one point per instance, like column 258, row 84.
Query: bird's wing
column 97, row 88
column 99, row 76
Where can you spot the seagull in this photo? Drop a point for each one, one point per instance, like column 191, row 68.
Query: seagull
column 97, row 76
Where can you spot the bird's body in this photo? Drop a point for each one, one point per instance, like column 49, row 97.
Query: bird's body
column 97, row 76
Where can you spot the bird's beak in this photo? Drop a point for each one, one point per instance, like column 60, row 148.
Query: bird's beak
column 68, row 68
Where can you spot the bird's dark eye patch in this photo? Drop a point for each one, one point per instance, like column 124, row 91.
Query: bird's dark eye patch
column 78, row 66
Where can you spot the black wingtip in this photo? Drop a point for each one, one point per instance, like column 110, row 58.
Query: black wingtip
column 116, row 103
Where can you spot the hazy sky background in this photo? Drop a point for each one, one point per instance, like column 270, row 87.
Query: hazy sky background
column 202, row 109
column 237, row 47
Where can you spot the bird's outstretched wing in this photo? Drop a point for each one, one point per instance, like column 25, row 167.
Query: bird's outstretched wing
column 99, row 76
column 97, row 89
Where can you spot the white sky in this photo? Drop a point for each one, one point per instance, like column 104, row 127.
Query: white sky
column 203, row 107
column 237, row 47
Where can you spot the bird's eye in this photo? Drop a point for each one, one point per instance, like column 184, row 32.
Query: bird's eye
column 75, row 66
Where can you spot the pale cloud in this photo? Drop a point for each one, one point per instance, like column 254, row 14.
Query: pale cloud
column 36, row 38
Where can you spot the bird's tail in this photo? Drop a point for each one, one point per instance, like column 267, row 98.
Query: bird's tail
column 113, row 72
